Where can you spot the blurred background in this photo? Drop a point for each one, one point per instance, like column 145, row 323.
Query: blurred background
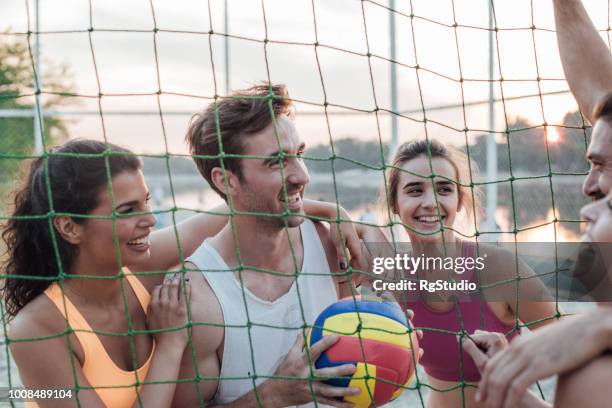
column 366, row 76
column 483, row 76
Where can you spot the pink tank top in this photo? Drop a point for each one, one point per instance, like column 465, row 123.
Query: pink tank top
column 443, row 358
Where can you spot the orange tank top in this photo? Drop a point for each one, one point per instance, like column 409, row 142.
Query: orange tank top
column 98, row 368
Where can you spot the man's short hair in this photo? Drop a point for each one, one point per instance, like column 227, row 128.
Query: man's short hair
column 223, row 125
column 603, row 109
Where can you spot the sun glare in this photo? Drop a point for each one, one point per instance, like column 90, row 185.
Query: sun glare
column 552, row 135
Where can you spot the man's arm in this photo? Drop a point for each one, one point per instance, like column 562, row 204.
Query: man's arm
column 587, row 380
column 296, row 381
column 556, row 349
column 291, row 385
column 586, row 59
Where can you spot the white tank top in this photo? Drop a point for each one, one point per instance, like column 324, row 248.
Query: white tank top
column 274, row 325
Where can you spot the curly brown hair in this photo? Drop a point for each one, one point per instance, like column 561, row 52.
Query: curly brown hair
column 75, row 174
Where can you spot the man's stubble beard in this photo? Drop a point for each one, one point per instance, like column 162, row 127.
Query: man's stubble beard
column 271, row 219
column 590, row 271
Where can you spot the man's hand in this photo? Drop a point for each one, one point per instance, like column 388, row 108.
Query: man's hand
column 551, row 350
column 304, row 383
column 482, row 346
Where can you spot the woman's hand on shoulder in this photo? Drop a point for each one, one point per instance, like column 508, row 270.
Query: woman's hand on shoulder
column 167, row 314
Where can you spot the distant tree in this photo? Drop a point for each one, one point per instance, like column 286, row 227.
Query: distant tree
column 350, row 153
column 525, row 148
column 576, row 133
column 17, row 87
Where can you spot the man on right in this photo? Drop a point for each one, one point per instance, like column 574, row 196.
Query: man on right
column 575, row 348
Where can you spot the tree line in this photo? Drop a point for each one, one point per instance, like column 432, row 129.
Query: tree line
column 522, row 147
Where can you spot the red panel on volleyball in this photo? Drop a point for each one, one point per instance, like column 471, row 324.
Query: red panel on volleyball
column 390, row 361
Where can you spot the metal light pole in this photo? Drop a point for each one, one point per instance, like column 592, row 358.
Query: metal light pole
column 226, row 49
column 38, row 117
column 393, row 75
column 491, row 144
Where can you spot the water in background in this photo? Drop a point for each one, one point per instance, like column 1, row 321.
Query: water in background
column 528, row 205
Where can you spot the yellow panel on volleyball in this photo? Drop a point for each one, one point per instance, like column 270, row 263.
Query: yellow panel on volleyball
column 373, row 327
column 363, row 399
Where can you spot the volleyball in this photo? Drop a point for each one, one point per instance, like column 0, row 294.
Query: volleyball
column 376, row 336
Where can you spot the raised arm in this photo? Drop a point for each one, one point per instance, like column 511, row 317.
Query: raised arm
column 586, row 59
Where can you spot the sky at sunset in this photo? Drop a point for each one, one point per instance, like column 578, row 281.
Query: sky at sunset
column 123, row 47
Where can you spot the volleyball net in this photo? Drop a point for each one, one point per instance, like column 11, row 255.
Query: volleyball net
column 538, row 167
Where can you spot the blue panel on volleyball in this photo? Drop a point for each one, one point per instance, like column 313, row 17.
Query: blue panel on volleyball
column 350, row 305
column 323, row 361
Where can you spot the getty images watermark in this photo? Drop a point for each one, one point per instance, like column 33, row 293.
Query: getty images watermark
column 534, row 271
column 404, row 264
